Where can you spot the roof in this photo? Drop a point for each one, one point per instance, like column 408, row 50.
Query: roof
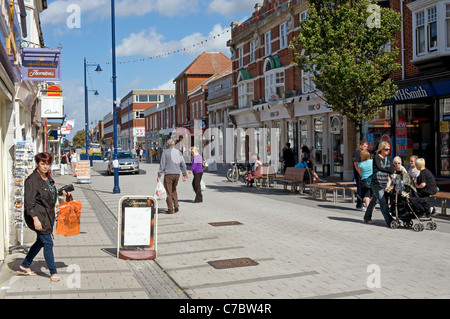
column 207, row 63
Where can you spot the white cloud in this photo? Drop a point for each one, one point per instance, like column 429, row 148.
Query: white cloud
column 57, row 11
column 151, row 44
column 169, row 85
column 229, row 7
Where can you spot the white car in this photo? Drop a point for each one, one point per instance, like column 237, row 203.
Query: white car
column 127, row 162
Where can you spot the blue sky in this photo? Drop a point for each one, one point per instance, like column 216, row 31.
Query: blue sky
column 144, row 29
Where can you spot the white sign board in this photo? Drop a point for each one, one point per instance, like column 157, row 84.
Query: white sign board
column 137, row 226
column 52, row 107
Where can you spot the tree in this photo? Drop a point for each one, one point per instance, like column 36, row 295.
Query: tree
column 80, row 138
column 344, row 44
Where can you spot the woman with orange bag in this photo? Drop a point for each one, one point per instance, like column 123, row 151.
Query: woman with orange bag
column 40, row 200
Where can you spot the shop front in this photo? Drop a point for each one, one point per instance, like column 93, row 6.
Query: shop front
column 416, row 122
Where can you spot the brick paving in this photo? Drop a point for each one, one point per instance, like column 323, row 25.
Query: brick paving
column 305, row 249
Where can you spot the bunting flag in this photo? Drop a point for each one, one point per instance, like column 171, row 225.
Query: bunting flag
column 244, row 25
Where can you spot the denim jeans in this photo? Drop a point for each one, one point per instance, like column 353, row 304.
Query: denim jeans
column 46, row 241
column 378, row 197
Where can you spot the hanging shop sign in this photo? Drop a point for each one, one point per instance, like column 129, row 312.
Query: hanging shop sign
column 52, row 107
column 41, row 64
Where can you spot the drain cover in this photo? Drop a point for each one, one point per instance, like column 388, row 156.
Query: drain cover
column 232, row 223
column 232, row 263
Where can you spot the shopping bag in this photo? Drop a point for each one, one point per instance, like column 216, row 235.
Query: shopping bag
column 69, row 215
column 202, row 185
column 160, row 191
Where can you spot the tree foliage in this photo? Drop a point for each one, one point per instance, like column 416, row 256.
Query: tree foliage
column 80, row 138
column 344, row 45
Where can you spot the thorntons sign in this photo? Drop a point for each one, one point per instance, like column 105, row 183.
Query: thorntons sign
column 416, row 92
column 41, row 73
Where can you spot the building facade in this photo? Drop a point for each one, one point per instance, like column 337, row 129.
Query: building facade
column 132, row 108
column 272, row 96
column 416, row 120
column 20, row 108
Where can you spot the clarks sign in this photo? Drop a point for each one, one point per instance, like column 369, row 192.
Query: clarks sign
column 410, row 93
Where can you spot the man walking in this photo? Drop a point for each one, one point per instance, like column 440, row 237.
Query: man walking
column 171, row 165
column 357, row 173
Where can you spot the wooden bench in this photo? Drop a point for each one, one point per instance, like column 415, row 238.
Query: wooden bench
column 443, row 196
column 268, row 173
column 351, row 186
column 295, row 177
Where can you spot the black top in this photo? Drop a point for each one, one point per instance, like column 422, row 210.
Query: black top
column 40, row 201
column 427, row 177
column 382, row 168
column 288, row 157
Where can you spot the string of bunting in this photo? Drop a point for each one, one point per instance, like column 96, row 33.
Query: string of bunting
column 243, row 25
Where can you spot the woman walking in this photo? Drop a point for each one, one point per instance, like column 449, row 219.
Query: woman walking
column 197, row 170
column 382, row 168
column 366, row 167
column 40, row 200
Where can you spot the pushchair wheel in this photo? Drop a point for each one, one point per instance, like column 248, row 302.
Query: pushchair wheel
column 418, row 227
column 409, row 224
column 394, row 224
column 431, row 226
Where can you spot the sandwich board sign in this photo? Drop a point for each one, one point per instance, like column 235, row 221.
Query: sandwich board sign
column 137, row 228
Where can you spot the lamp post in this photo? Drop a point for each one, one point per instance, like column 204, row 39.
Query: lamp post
column 116, row 189
column 86, row 107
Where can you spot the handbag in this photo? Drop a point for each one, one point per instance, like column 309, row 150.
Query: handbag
column 205, row 163
column 69, row 216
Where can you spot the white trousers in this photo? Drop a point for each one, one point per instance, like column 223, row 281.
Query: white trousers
column 64, row 170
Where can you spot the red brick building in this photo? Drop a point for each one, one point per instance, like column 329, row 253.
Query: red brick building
column 416, row 120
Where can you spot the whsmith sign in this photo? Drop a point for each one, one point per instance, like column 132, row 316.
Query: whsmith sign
column 422, row 91
column 410, row 93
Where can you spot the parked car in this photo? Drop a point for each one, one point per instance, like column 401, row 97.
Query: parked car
column 127, row 162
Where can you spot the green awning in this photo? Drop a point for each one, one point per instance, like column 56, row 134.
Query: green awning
column 244, row 75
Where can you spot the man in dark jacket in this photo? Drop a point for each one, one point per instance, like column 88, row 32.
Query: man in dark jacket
column 288, row 157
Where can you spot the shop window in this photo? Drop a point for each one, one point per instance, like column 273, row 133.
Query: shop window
column 447, row 23
column 414, row 132
column 444, row 138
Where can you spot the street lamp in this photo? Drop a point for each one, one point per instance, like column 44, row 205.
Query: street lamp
column 116, row 189
column 86, row 107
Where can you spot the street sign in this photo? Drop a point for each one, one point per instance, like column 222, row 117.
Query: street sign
column 137, row 225
column 83, row 172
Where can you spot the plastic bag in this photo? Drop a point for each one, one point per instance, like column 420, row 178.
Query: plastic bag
column 69, row 215
column 202, row 185
column 160, row 191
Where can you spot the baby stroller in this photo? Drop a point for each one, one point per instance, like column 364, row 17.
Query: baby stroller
column 407, row 208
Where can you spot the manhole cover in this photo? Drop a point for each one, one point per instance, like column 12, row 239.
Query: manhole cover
column 232, row 223
column 232, row 263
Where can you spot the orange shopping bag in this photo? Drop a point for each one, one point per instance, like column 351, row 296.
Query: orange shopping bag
column 68, row 223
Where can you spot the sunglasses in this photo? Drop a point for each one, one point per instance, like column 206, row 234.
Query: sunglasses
column 386, row 149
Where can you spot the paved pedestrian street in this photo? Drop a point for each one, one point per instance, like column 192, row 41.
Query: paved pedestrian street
column 240, row 243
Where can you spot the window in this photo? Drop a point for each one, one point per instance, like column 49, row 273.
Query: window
column 283, row 35
column 303, row 16
column 432, row 29
column 245, row 93
column 420, row 33
column 274, row 84
column 241, row 57
column 252, row 51
column 447, row 22
column 267, row 43
column 307, row 82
